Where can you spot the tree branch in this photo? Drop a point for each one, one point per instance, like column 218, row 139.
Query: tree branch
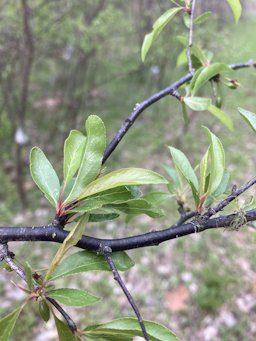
column 142, row 106
column 106, row 251
column 51, row 234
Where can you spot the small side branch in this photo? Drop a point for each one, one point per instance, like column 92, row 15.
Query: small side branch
column 107, row 253
column 235, row 193
column 148, row 102
column 6, row 255
column 190, row 40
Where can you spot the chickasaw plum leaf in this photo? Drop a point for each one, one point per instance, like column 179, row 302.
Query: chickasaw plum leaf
column 158, row 26
column 64, row 332
column 73, row 152
column 205, row 74
column 83, row 261
column 92, row 156
column 127, row 328
column 236, row 8
column 44, row 310
column 29, row 278
column 98, row 217
column 122, row 177
column 249, row 117
column 7, row 324
column 117, row 196
column 183, row 165
column 44, row 175
column 73, row 297
column 72, row 239
column 202, row 17
column 222, row 116
column 220, row 189
column 217, row 167
column 137, row 206
column 203, row 174
column 197, row 103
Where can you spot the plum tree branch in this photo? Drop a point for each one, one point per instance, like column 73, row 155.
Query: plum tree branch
column 106, row 251
column 142, row 106
column 50, row 233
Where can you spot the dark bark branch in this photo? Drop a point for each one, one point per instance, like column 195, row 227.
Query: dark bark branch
column 106, row 251
column 235, row 193
column 50, row 233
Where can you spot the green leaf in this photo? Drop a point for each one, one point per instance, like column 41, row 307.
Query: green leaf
column 117, row 195
column 194, row 79
column 158, row 26
column 182, row 58
column 122, row 177
column 156, row 198
column 44, row 175
column 44, row 310
column 7, row 324
column 202, row 18
column 72, row 239
column 196, row 52
column 64, row 332
column 29, row 278
column 222, row 116
column 236, row 8
column 127, row 328
column 73, row 297
column 220, row 189
column 206, row 74
column 147, row 42
column 172, row 172
column 84, row 261
column 73, row 152
column 183, row 165
column 185, row 114
column 137, row 206
column 195, row 193
column 95, row 218
column 203, row 173
column 217, row 155
column 92, row 156
column 249, row 117
column 197, row 103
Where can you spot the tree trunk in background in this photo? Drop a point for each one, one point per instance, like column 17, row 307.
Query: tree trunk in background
column 222, row 8
column 26, row 61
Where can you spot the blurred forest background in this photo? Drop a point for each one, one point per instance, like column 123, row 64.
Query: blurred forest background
column 62, row 60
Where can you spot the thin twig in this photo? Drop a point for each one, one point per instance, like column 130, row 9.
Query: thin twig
column 107, row 253
column 220, row 206
column 190, row 41
column 148, row 102
column 5, row 254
